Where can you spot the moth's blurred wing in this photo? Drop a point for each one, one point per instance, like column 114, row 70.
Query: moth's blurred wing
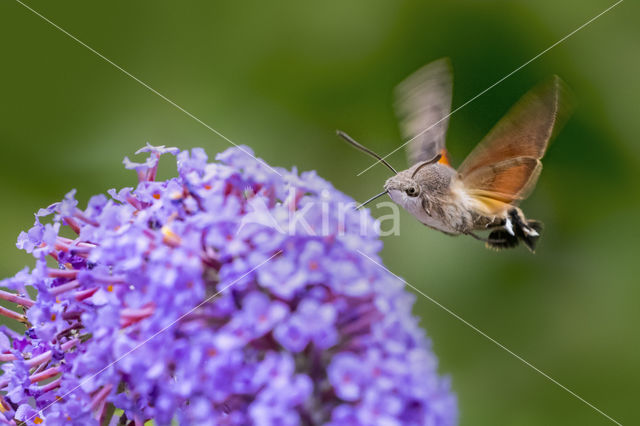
column 506, row 164
column 423, row 104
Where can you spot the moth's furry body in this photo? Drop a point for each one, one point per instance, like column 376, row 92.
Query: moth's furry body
column 442, row 203
column 483, row 193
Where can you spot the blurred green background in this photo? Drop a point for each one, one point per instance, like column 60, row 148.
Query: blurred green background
column 282, row 76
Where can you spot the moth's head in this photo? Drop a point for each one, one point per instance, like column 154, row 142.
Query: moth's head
column 402, row 187
column 422, row 179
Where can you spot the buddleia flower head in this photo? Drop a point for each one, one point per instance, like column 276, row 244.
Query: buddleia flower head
column 231, row 294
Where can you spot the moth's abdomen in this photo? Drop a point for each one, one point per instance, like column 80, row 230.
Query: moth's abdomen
column 514, row 230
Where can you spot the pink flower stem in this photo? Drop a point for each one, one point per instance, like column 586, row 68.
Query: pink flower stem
column 61, row 247
column 69, row 344
column 85, row 294
column 13, row 315
column 20, row 300
column 65, row 287
column 44, row 375
column 100, row 396
column 129, row 316
column 63, row 273
column 137, row 313
column 72, row 224
column 134, row 202
column 40, row 359
column 151, row 173
column 87, row 245
column 50, row 386
column 39, row 368
column 80, row 215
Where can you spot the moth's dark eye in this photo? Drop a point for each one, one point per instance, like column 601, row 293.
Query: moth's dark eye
column 412, row 191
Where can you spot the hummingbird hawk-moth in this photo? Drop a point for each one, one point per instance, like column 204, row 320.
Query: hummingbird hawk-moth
column 483, row 193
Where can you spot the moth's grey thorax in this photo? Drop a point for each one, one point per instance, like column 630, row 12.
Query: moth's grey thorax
column 435, row 179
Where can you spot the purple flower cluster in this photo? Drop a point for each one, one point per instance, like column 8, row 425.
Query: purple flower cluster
column 232, row 294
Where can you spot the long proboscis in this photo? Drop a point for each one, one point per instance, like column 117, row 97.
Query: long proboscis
column 375, row 197
column 363, row 148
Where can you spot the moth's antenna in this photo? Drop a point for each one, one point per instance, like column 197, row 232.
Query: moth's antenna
column 371, row 199
column 363, row 148
column 426, row 163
